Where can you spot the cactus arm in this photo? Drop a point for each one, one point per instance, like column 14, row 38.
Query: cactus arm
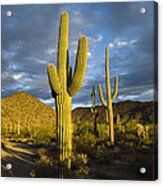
column 80, row 66
column 101, row 96
column 62, row 50
column 92, row 110
column 115, row 88
column 53, row 79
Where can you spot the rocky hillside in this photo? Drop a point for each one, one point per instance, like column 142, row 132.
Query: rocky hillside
column 27, row 110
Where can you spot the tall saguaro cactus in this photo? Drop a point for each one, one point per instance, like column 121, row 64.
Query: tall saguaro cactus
column 64, row 86
column 110, row 97
column 94, row 111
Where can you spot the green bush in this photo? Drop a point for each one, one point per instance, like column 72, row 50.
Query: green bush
column 80, row 165
column 131, row 137
column 131, row 126
column 43, row 136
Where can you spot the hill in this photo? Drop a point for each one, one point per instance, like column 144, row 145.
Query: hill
column 25, row 111
column 143, row 112
column 22, row 110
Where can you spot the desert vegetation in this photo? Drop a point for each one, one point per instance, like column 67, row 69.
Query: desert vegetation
column 112, row 141
column 135, row 140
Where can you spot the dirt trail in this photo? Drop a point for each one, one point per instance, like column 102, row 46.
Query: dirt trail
column 22, row 157
column 115, row 163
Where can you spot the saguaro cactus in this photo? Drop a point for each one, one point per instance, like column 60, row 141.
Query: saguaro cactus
column 118, row 123
column 110, row 97
column 94, row 111
column 64, row 86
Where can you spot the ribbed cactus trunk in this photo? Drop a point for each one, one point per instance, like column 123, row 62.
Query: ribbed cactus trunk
column 94, row 111
column 110, row 97
column 64, row 86
column 64, row 129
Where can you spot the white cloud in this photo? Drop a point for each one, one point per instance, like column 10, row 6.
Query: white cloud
column 8, row 55
column 99, row 38
column 80, row 20
column 41, row 61
column 77, row 105
column 140, row 93
column 18, row 76
column 48, row 101
column 15, row 76
column 95, row 40
column 122, row 43
column 89, row 66
column 111, row 45
column 89, row 55
column 51, row 51
column 134, row 41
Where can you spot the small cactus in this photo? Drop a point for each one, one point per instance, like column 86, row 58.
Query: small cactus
column 110, row 97
column 94, row 111
column 64, row 86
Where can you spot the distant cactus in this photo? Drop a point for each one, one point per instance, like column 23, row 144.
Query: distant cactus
column 18, row 127
column 64, row 86
column 146, row 129
column 10, row 126
column 108, row 104
column 140, row 130
column 94, row 111
column 118, row 123
column 143, row 133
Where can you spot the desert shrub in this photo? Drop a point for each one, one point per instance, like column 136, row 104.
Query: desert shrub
column 131, row 137
column 85, row 142
column 153, row 132
column 131, row 126
column 44, row 158
column 102, row 128
column 80, row 165
column 43, row 136
column 46, row 165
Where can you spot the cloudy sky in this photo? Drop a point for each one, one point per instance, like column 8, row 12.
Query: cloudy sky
column 29, row 44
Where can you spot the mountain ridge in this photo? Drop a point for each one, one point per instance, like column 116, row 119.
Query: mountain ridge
column 29, row 109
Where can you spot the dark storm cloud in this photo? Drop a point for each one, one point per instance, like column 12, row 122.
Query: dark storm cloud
column 29, row 43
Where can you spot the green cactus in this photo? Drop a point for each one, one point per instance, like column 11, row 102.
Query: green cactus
column 94, row 111
column 118, row 123
column 110, row 97
column 64, row 86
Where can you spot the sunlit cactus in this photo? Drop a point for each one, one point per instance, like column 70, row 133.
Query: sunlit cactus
column 64, row 86
column 94, row 111
column 110, row 97
column 18, row 127
column 142, row 133
column 118, row 123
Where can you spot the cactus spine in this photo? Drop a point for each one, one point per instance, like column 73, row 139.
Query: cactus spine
column 64, row 86
column 110, row 97
column 94, row 111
